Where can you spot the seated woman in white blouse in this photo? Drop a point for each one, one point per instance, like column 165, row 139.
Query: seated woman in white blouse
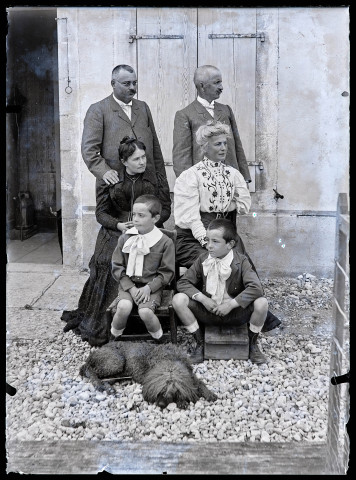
column 208, row 190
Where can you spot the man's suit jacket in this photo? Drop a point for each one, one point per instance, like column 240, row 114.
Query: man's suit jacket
column 243, row 284
column 106, row 124
column 186, row 151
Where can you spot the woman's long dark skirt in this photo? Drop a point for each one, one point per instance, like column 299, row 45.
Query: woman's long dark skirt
column 90, row 319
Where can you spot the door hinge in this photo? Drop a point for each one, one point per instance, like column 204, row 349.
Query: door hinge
column 238, row 35
column 153, row 37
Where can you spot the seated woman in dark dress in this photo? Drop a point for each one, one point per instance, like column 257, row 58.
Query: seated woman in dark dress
column 114, row 213
column 208, row 190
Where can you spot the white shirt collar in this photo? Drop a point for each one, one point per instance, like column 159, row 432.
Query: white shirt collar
column 227, row 259
column 122, row 104
column 151, row 237
column 205, row 103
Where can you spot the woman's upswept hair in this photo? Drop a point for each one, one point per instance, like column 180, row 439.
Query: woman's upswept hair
column 211, row 129
column 128, row 146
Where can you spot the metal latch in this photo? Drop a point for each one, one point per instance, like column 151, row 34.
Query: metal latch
column 238, row 35
column 255, row 164
column 150, row 37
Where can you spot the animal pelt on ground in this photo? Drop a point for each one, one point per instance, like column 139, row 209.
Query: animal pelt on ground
column 164, row 371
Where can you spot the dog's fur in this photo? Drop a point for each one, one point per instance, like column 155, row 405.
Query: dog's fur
column 164, row 371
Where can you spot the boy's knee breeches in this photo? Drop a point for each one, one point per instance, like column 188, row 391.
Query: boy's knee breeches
column 154, row 301
column 237, row 316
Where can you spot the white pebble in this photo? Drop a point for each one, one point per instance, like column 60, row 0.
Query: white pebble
column 49, row 413
column 281, row 400
column 177, row 415
column 265, row 436
column 100, row 397
column 159, row 431
column 84, row 396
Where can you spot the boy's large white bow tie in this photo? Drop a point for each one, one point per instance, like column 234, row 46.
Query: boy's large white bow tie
column 217, row 272
column 136, row 246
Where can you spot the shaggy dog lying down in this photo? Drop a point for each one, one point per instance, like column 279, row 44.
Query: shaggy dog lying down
column 164, row 371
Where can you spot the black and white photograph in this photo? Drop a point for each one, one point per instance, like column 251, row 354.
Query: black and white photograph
column 177, row 240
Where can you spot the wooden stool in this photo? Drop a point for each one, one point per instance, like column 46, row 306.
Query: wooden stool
column 226, row 342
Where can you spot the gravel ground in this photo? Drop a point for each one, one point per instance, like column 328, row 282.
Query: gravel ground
column 282, row 401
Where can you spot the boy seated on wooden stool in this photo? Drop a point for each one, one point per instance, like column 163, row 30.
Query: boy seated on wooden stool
column 221, row 288
column 143, row 263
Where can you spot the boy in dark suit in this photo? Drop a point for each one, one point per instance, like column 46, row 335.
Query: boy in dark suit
column 143, row 263
column 221, row 288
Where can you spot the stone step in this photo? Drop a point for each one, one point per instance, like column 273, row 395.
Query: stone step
column 226, row 342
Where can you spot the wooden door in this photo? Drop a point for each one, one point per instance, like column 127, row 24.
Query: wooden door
column 166, row 61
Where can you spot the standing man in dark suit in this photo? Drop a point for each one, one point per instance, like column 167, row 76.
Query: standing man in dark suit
column 107, row 122
column 186, row 152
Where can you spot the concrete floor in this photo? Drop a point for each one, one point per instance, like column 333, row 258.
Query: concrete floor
column 42, row 248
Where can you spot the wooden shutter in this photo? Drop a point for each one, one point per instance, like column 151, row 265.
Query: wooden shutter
column 227, row 39
column 166, row 60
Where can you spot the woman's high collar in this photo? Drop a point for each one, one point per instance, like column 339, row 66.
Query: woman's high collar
column 147, row 175
column 134, row 176
column 211, row 163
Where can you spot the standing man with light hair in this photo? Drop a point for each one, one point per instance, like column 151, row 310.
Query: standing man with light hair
column 186, row 152
column 108, row 121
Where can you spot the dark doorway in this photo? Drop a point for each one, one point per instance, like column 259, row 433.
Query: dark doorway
column 32, row 126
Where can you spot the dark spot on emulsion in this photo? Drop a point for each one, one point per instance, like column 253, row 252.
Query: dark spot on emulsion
column 10, row 389
column 345, row 94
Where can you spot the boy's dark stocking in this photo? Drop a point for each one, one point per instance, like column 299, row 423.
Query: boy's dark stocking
column 255, row 354
column 197, row 356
